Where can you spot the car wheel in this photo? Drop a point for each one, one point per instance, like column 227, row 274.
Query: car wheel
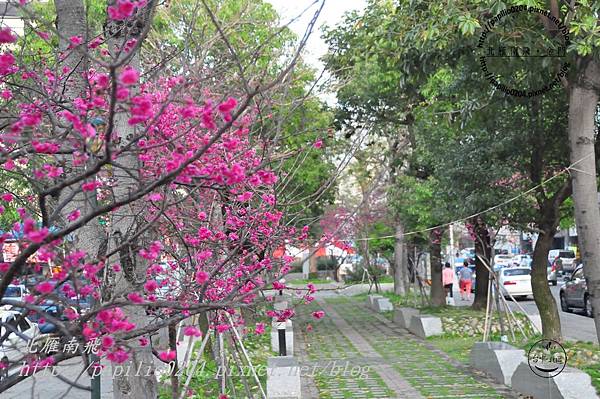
column 563, row 304
column 587, row 306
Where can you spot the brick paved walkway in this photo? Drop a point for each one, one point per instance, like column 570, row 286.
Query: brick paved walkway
column 355, row 353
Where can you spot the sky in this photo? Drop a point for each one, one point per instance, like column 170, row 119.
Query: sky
column 331, row 15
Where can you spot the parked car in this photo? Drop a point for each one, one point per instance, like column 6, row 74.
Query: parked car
column 567, row 257
column 44, row 324
column 458, row 263
column 515, row 281
column 502, row 260
column 574, row 293
column 468, row 253
column 522, row 260
column 14, row 293
column 552, row 275
column 15, row 344
column 32, row 280
column 84, row 304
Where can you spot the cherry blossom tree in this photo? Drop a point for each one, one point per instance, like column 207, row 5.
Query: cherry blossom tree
column 153, row 192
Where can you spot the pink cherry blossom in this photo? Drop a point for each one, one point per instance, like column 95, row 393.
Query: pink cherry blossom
column 129, row 76
column 228, row 105
column 91, row 186
column 202, row 277
column 44, row 287
column 135, row 297
column 155, row 197
column 45, row 148
column 74, row 215
column 107, row 341
column 37, row 236
column 7, row 60
column 221, row 328
column 151, row 286
column 75, row 40
column 167, row 356
column 260, row 328
column 7, row 36
column 191, row 331
column 319, row 314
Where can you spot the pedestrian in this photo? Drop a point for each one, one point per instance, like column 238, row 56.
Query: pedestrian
column 465, row 276
column 558, row 264
column 4, row 363
column 448, row 279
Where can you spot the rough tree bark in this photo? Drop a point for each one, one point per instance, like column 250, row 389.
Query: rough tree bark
column 483, row 252
column 547, row 220
column 399, row 261
column 541, row 291
column 438, row 297
column 71, row 21
column 125, row 224
column 583, row 101
column 313, row 260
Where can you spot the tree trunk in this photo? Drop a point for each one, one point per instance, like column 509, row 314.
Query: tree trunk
column 399, row 257
column 71, row 21
column 438, row 297
column 313, row 260
column 583, row 100
column 175, row 370
column 406, row 276
column 483, row 255
column 541, row 291
column 364, row 246
column 125, row 223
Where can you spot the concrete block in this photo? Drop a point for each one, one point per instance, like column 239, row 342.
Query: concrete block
column 499, row 360
column 371, row 300
column 402, row 316
column 425, row 325
column 571, row 383
column 383, row 305
column 289, row 336
column 283, row 378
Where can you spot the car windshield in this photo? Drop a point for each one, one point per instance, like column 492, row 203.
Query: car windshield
column 516, row 272
column 13, row 292
column 566, row 254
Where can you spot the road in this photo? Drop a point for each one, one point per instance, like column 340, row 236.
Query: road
column 575, row 326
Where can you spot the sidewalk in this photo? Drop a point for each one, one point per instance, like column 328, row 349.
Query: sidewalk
column 388, row 361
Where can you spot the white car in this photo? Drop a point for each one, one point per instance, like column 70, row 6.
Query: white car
column 501, row 261
column 515, row 281
column 15, row 346
column 522, row 260
column 14, row 293
column 567, row 258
